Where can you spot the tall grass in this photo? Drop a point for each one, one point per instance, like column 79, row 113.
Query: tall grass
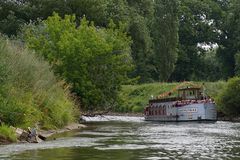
column 7, row 134
column 29, row 91
column 135, row 97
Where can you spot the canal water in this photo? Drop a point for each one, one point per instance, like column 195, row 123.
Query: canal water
column 131, row 138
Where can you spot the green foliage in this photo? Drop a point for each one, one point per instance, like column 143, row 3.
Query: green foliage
column 228, row 52
column 135, row 97
column 165, row 33
column 140, row 15
column 10, row 20
column 199, row 24
column 213, row 89
column 137, row 15
column 211, row 70
column 29, row 91
column 137, row 109
column 237, row 62
column 167, row 36
column 7, row 133
column 94, row 60
column 229, row 98
column 14, row 14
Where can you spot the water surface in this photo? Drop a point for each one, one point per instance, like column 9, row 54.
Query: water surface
column 130, row 138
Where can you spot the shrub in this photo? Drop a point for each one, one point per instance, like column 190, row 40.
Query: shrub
column 7, row 133
column 229, row 98
column 96, row 61
column 137, row 109
column 29, row 91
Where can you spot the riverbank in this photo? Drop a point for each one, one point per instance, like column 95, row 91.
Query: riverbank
column 70, row 127
column 44, row 134
column 229, row 119
column 30, row 93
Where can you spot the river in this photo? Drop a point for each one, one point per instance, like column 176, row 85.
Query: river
column 131, row 138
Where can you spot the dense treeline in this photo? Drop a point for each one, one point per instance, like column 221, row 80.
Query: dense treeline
column 166, row 40
column 167, row 35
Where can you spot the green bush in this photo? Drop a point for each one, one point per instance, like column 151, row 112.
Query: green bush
column 7, row 133
column 229, row 98
column 137, row 109
column 96, row 61
column 29, row 91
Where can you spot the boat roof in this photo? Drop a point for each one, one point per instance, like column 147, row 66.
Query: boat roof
column 166, row 99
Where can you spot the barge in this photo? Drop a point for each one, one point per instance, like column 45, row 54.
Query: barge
column 190, row 104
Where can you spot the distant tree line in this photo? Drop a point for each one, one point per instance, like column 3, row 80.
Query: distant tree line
column 166, row 40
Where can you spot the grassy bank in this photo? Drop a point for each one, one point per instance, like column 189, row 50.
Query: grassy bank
column 29, row 92
column 135, row 97
column 7, row 134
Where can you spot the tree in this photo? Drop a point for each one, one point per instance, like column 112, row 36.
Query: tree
column 135, row 14
column 190, row 24
column 229, row 98
column 138, row 15
column 14, row 14
column 199, row 24
column 237, row 63
column 165, row 37
column 229, row 44
column 95, row 61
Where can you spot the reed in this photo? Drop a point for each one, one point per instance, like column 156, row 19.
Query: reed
column 29, row 91
column 7, row 134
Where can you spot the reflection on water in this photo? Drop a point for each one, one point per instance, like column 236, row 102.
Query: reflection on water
column 132, row 138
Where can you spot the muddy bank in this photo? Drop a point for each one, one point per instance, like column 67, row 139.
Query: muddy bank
column 4, row 140
column 229, row 119
column 70, row 127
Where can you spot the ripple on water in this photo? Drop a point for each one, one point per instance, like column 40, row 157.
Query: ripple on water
column 122, row 147
column 113, row 118
column 148, row 140
column 60, row 143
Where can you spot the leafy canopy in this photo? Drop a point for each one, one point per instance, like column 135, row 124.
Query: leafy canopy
column 94, row 60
